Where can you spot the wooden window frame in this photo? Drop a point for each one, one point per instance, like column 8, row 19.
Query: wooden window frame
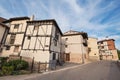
column 12, row 39
column 16, row 26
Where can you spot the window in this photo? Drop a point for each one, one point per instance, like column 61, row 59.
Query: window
column 66, row 46
column 98, row 47
column 36, row 27
column 66, row 39
column 29, row 37
column 16, row 49
column 56, row 38
column 12, row 39
column 46, row 46
column 16, row 26
column 56, row 34
column 55, row 42
column 7, row 47
column 102, row 47
column 1, row 50
column 101, row 42
column 54, row 56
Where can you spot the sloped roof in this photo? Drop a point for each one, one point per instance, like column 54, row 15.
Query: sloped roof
column 72, row 32
column 4, row 25
column 17, row 18
column 2, row 19
column 106, row 40
column 47, row 20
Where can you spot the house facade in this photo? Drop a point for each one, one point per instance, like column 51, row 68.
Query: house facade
column 3, row 33
column 107, row 50
column 15, row 36
column 75, row 46
column 42, row 41
column 93, row 49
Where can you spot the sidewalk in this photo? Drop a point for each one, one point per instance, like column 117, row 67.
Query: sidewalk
column 27, row 76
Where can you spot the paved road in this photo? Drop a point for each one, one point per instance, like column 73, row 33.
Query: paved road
column 102, row 70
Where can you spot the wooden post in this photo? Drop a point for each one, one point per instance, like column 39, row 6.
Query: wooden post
column 55, row 65
column 38, row 67
column 20, row 57
column 32, row 65
column 45, row 66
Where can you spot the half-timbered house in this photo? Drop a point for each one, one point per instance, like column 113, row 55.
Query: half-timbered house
column 42, row 40
column 15, row 36
column 3, row 33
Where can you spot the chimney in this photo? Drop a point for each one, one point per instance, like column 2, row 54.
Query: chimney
column 32, row 18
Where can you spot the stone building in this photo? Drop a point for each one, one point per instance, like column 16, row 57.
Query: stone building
column 107, row 50
column 75, row 46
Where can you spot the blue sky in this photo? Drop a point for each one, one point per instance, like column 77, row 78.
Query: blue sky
column 99, row 18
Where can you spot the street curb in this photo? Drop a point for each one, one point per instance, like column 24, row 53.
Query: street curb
column 64, row 69
column 67, row 68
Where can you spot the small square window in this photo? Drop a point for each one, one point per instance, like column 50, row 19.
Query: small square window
column 101, row 42
column 102, row 47
column 16, row 26
column 66, row 39
column 66, row 46
column 46, row 46
column 29, row 37
column 7, row 47
column 12, row 39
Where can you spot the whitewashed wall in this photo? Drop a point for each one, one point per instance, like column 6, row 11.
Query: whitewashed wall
column 18, row 38
column 92, row 44
column 74, row 44
column 42, row 56
column 2, row 30
column 46, row 33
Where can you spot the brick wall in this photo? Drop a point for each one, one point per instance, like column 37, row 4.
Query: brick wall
column 111, row 45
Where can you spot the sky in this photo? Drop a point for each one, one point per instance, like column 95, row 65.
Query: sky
column 99, row 18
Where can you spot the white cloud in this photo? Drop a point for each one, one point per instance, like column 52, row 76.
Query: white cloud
column 70, row 13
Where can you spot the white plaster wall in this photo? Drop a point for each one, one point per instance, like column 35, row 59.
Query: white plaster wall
column 30, row 30
column 22, row 26
column 43, row 30
column 40, row 43
column 42, row 56
column 2, row 30
column 75, row 45
column 92, row 43
column 6, row 53
column 19, row 39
